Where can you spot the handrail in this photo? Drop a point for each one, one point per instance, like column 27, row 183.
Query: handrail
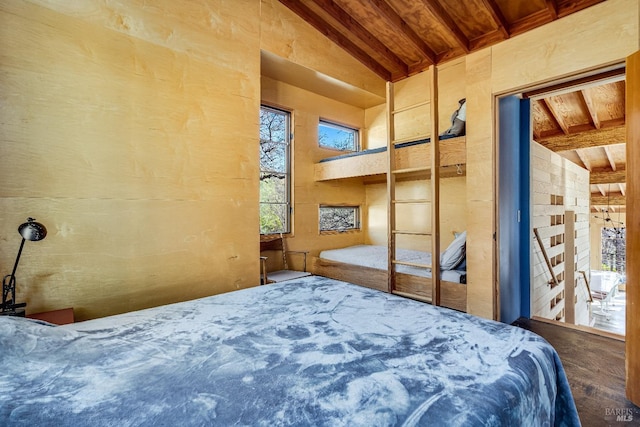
column 546, row 258
column 586, row 282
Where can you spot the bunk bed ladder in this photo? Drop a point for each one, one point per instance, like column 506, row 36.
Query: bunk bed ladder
column 392, row 202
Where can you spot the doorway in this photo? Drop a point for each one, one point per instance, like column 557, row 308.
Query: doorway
column 571, row 196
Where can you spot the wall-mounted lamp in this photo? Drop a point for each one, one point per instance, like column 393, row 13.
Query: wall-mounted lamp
column 30, row 230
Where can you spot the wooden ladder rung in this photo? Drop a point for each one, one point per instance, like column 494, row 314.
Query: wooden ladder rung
column 413, row 296
column 410, row 201
column 411, row 107
column 412, row 233
column 410, row 264
column 410, row 170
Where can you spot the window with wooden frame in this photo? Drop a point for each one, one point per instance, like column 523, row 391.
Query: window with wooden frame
column 275, row 171
column 337, row 137
column 339, row 218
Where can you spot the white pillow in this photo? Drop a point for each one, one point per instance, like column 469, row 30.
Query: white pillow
column 455, row 253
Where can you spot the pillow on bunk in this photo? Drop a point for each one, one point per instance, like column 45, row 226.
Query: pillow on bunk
column 455, row 253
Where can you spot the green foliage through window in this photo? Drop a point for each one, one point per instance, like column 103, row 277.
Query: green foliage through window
column 337, row 137
column 275, row 194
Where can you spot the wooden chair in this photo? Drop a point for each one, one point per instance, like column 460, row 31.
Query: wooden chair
column 278, row 244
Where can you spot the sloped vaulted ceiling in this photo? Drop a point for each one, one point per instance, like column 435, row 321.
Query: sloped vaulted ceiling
column 398, row 38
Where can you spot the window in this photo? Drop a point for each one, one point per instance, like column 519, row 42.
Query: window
column 337, row 137
column 339, row 218
column 614, row 249
column 275, row 171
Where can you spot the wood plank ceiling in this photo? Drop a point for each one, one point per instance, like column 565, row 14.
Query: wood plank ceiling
column 586, row 125
column 398, row 38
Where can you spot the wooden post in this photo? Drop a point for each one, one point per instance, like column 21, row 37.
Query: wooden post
column 569, row 267
column 435, row 190
column 632, row 356
column 391, row 189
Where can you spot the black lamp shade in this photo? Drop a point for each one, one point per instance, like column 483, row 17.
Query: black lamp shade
column 32, row 230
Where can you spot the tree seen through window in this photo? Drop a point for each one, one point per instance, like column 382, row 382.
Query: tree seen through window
column 337, row 137
column 274, row 171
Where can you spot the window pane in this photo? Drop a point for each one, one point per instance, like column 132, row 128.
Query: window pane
column 275, row 197
column 339, row 218
column 273, row 218
column 273, row 156
column 614, row 249
column 273, row 125
column 331, row 135
column 273, row 188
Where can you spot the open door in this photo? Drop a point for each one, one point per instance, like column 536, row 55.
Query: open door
column 632, row 356
column 513, row 208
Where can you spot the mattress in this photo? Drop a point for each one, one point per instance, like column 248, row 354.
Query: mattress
column 375, row 256
column 383, row 149
column 313, row 351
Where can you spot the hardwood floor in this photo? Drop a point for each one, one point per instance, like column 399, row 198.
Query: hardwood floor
column 594, row 365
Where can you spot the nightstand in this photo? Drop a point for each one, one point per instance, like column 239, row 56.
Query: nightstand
column 58, row 317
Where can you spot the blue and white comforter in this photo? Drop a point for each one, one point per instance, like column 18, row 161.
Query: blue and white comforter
column 313, row 351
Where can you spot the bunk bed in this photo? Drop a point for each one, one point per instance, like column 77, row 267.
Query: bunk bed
column 367, row 265
column 310, row 351
column 409, row 154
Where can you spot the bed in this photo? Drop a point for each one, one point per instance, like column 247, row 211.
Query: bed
column 366, row 265
column 313, row 351
column 409, row 154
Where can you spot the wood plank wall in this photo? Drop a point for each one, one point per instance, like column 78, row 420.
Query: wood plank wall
column 284, row 34
column 559, row 188
column 307, row 108
column 144, row 200
column 591, row 39
column 412, row 91
column 131, row 133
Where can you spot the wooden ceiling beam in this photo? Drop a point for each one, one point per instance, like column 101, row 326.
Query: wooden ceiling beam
column 335, row 36
column 567, row 8
column 556, row 115
column 488, row 39
column 361, row 33
column 612, row 162
column 403, row 28
column 589, row 139
column 607, row 176
column 550, row 132
column 450, row 26
column 591, row 108
column 552, row 9
column 498, row 17
column 622, row 189
column 610, row 199
column 583, row 158
column 530, row 22
column 601, row 189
